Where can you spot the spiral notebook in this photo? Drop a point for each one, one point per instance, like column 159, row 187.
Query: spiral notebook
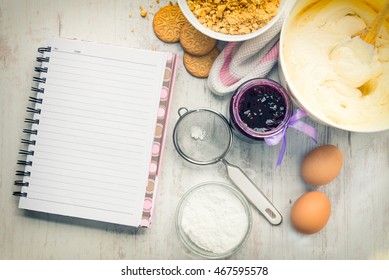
column 96, row 131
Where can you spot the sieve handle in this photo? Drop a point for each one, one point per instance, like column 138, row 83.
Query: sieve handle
column 180, row 111
column 253, row 194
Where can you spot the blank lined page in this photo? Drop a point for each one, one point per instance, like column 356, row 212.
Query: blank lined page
column 95, row 131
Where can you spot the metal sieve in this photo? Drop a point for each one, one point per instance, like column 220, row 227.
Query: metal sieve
column 204, row 136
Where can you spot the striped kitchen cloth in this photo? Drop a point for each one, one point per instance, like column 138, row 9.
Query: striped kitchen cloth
column 242, row 61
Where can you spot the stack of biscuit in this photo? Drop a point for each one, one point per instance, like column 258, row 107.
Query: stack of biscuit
column 200, row 51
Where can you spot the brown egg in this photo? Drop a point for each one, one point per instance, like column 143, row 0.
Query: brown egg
column 322, row 165
column 310, row 213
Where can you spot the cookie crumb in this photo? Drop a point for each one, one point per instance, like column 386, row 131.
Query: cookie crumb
column 143, row 11
column 130, row 15
column 233, row 16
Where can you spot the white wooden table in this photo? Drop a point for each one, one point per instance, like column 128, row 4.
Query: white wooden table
column 359, row 224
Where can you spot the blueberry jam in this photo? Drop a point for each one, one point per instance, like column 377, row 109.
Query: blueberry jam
column 259, row 108
column 262, row 108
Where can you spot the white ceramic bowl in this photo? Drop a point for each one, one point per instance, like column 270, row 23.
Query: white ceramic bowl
column 298, row 96
column 225, row 37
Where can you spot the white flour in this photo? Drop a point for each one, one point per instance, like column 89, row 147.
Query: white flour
column 197, row 133
column 214, row 219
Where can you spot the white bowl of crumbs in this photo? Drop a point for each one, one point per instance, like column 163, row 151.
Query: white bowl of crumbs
column 232, row 20
column 213, row 220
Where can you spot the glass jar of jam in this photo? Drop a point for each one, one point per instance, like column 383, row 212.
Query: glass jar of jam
column 259, row 108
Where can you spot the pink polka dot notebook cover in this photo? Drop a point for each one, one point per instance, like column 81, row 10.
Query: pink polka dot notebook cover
column 159, row 139
column 97, row 127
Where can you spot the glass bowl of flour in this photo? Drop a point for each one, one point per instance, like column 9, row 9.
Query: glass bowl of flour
column 213, row 220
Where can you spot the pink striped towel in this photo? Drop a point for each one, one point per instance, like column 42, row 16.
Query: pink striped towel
column 242, row 61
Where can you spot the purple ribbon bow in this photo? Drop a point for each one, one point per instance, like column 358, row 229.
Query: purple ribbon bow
column 296, row 123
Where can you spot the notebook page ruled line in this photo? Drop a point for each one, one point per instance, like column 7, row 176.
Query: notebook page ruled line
column 88, row 166
column 75, row 74
column 79, row 116
column 80, row 179
column 139, row 105
column 112, row 150
column 83, row 73
column 101, row 83
column 125, row 138
column 127, row 191
column 92, row 152
column 136, row 135
column 98, row 124
column 119, row 75
column 105, row 174
column 138, row 108
column 106, row 69
column 138, row 94
column 90, row 141
column 96, row 59
column 68, row 96
column 90, row 200
column 91, row 94
column 95, row 73
column 69, row 138
column 88, row 169
column 114, row 160
column 96, row 130
column 108, row 167
column 92, row 197
column 77, row 202
column 53, row 105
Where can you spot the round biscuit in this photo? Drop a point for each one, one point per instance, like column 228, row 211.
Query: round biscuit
column 194, row 42
column 167, row 23
column 200, row 66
